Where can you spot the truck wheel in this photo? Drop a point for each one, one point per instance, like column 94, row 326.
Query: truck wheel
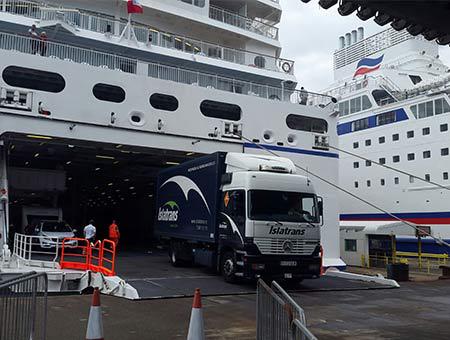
column 228, row 267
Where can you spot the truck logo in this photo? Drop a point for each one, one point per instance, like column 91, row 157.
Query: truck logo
column 288, row 246
column 186, row 185
column 169, row 212
column 286, row 231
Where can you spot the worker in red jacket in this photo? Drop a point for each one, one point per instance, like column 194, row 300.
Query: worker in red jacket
column 114, row 234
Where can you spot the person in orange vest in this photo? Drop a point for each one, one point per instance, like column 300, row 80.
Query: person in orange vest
column 114, row 234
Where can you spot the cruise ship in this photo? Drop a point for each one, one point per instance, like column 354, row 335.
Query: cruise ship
column 95, row 100
column 394, row 138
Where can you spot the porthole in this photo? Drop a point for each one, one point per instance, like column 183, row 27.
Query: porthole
column 292, row 139
column 268, row 136
column 164, row 102
column 33, row 79
column 137, row 118
column 109, row 93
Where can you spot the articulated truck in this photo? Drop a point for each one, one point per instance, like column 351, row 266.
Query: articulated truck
column 246, row 216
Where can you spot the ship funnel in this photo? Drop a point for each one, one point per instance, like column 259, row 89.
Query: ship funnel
column 360, row 33
column 348, row 39
column 354, row 37
column 341, row 42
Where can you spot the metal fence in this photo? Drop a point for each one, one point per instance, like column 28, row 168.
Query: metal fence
column 23, row 307
column 279, row 317
column 41, row 251
column 242, row 22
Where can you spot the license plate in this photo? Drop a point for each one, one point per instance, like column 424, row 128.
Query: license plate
column 288, row 276
column 288, row 263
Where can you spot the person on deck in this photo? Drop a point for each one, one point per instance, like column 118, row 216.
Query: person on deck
column 114, row 234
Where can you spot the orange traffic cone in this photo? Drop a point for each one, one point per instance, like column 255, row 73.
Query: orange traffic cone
column 196, row 327
column 95, row 323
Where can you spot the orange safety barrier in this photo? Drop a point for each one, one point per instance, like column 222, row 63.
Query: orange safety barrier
column 82, row 255
column 75, row 254
column 95, row 256
column 108, row 257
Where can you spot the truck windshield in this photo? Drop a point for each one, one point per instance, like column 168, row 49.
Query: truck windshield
column 283, row 206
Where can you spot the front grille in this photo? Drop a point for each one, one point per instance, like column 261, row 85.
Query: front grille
column 269, row 246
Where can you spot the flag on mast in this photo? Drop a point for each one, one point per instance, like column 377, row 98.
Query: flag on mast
column 134, row 7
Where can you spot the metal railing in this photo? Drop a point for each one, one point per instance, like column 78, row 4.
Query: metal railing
column 248, row 24
column 23, row 307
column 278, row 315
column 107, row 25
column 123, row 64
column 424, row 263
column 40, row 251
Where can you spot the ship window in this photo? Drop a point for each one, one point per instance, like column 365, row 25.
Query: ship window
column 304, row 123
column 396, row 159
column 444, row 152
column 366, row 104
column 350, row 245
column 426, row 131
column 164, row 102
column 356, row 184
column 381, row 139
column 396, row 180
column 427, row 154
column 33, row 79
column 411, row 179
column 360, row 124
column 355, row 105
column 386, row 118
column 355, row 145
column 444, row 127
column 368, row 163
column 260, row 62
column 368, row 183
column 415, row 79
column 220, row 110
column 109, row 93
column 441, row 106
column 382, row 97
column 411, row 156
column 427, row 177
column 368, row 142
column 355, row 165
column 198, row 3
column 414, row 110
column 382, row 160
column 410, row 134
column 382, row 182
column 445, row 175
column 395, row 137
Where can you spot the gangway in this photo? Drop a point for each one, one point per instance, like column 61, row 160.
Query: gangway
column 72, row 264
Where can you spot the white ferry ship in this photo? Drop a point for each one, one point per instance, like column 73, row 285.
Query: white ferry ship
column 393, row 93
column 96, row 106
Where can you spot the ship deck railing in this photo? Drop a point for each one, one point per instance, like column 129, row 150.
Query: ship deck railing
column 245, row 23
column 70, row 53
column 96, row 22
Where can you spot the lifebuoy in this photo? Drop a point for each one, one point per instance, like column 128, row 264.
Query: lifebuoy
column 365, row 82
column 286, row 67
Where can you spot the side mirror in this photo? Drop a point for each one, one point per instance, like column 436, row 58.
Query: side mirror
column 320, row 205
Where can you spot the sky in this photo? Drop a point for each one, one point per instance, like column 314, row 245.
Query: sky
column 309, row 36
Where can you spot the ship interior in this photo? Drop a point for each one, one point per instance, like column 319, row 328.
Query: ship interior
column 88, row 181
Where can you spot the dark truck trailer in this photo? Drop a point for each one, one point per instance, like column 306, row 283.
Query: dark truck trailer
column 244, row 215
